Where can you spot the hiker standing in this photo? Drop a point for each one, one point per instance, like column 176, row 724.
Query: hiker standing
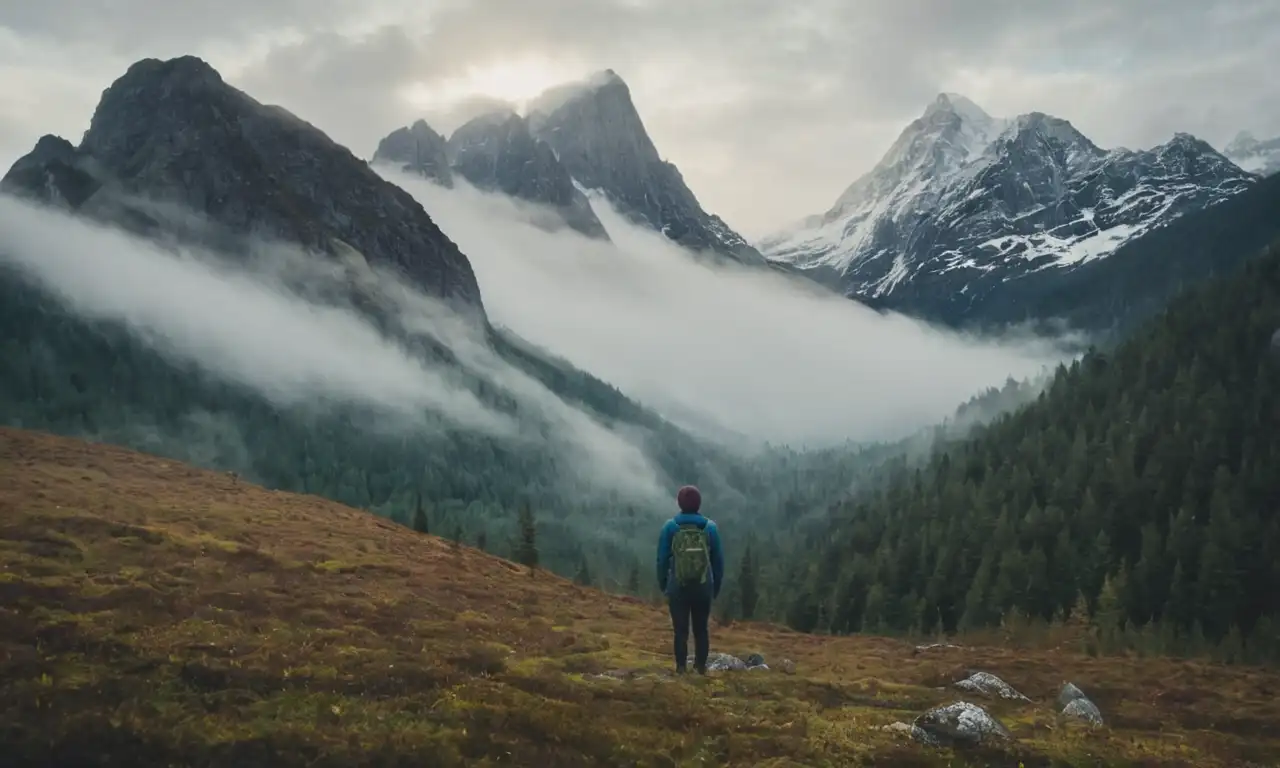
column 690, row 574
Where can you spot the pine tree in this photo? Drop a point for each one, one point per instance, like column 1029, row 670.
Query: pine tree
column 748, row 588
column 527, row 551
column 420, row 516
column 583, row 577
column 633, row 580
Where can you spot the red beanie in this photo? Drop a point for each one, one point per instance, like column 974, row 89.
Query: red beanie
column 689, row 499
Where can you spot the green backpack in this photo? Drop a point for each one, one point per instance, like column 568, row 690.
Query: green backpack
column 690, row 547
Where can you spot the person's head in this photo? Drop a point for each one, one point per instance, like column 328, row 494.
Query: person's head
column 689, row 499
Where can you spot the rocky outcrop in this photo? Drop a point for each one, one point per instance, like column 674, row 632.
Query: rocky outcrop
column 417, row 149
column 599, row 137
column 497, row 152
column 173, row 136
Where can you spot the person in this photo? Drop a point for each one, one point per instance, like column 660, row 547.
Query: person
column 690, row 574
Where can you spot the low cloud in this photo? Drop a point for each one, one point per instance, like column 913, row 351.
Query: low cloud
column 719, row 348
column 273, row 320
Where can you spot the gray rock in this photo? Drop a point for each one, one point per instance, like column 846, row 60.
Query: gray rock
column 989, row 685
column 764, row 667
column 171, row 135
column 599, row 137
column 496, row 152
column 1083, row 709
column 787, row 666
column 1075, row 705
column 722, row 662
column 1068, row 694
column 914, row 732
column 417, row 149
column 962, row 722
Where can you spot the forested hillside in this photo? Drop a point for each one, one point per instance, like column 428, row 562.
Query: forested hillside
column 1144, row 483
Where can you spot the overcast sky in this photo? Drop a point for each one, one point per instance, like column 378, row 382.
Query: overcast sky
column 769, row 107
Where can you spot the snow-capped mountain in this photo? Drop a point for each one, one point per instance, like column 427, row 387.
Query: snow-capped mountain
column 965, row 204
column 598, row 135
column 1260, row 157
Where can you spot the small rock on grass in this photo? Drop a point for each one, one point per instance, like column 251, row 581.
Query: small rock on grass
column 988, row 684
column 961, row 722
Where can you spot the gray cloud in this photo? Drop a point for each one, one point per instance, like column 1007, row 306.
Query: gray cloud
column 770, row 109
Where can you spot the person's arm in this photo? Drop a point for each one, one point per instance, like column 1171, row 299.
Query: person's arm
column 664, row 555
column 717, row 559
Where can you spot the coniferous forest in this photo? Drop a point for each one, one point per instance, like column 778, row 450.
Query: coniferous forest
column 1142, row 487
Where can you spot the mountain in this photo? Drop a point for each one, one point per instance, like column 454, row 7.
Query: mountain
column 966, row 209
column 174, row 133
column 418, row 149
column 177, row 155
column 497, row 152
column 1140, row 487
column 1260, row 157
column 598, row 135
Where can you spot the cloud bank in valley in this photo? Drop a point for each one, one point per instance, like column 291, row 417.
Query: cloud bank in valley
column 749, row 351
column 258, row 322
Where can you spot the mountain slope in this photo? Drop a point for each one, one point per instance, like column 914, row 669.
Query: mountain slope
column 599, row 137
column 236, row 169
column 419, row 149
column 964, row 206
column 1143, row 481
column 497, row 152
column 174, row 133
column 153, row 613
column 1260, row 157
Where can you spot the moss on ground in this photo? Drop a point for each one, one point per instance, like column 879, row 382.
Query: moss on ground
column 155, row 614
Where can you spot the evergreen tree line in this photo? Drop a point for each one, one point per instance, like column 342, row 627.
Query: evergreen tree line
column 1142, row 486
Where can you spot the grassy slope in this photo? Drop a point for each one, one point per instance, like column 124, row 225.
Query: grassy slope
column 154, row 614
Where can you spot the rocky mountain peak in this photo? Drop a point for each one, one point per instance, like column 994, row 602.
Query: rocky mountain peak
column 417, row 149
column 497, row 152
column 174, row 132
column 599, row 137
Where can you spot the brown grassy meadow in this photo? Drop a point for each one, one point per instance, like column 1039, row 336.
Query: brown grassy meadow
column 156, row 614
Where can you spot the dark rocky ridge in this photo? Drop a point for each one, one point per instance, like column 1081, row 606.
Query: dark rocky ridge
column 173, row 132
column 496, row 152
column 599, row 137
column 417, row 149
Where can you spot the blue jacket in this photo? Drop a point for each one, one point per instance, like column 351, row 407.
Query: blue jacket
column 666, row 580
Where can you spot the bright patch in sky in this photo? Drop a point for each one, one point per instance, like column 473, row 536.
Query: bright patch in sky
column 516, row 81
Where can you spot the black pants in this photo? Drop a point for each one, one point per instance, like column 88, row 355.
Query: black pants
column 691, row 612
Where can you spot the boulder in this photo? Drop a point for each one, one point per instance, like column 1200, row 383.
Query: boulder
column 962, row 722
column 988, row 684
